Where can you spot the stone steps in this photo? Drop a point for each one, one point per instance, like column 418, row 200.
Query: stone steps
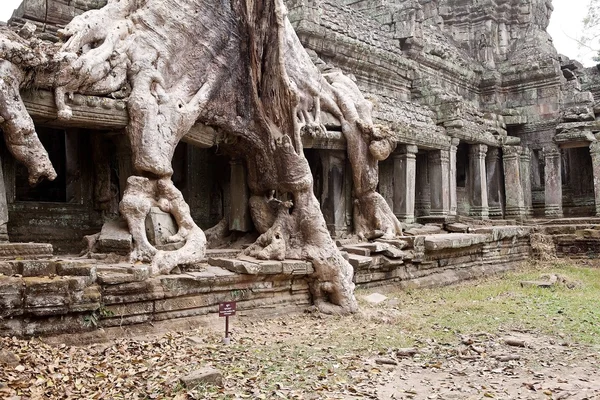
column 12, row 251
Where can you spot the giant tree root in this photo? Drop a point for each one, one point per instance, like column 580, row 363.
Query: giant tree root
column 299, row 232
column 372, row 213
column 140, row 195
column 19, row 130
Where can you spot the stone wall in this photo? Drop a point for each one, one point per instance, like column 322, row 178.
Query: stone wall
column 575, row 238
column 43, row 297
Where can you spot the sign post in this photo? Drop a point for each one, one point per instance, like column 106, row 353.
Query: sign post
column 226, row 310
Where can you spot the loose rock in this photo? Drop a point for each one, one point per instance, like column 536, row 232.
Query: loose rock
column 207, row 375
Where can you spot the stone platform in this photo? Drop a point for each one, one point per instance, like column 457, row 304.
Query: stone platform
column 54, row 296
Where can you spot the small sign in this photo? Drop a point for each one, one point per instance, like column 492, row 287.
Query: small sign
column 227, row 309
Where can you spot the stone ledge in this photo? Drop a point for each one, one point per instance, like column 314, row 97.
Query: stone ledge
column 11, row 251
column 453, row 241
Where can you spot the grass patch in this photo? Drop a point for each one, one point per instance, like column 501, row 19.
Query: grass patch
column 500, row 303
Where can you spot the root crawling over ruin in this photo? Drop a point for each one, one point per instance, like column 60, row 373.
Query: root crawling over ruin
column 140, row 196
column 238, row 67
column 17, row 57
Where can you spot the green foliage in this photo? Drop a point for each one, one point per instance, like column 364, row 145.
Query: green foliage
column 92, row 319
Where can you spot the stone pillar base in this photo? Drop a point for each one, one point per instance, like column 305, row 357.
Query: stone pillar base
column 406, row 218
column 495, row 213
column 553, row 211
column 337, row 231
column 516, row 212
column 438, row 213
column 479, row 212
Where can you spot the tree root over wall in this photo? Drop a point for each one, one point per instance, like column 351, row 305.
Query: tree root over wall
column 238, row 67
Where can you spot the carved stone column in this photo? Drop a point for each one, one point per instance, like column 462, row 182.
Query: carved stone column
column 386, row 180
column 439, row 168
column 239, row 215
column 478, row 181
column 452, row 175
column 3, row 208
column 125, row 162
column 494, row 182
column 515, row 205
column 405, row 171
column 525, row 169
column 595, row 153
column 423, row 195
column 553, row 183
column 333, row 200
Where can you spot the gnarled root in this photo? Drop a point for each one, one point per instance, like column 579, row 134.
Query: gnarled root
column 299, row 232
column 217, row 233
column 140, row 195
column 372, row 213
column 99, row 36
column 271, row 244
column 19, row 130
column 332, row 288
column 264, row 210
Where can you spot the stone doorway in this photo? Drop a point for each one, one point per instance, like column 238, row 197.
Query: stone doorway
column 463, row 205
column 577, row 182
column 422, row 193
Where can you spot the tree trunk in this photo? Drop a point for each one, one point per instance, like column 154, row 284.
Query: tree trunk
column 238, row 67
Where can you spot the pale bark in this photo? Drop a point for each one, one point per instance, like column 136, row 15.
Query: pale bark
column 238, row 67
column 19, row 58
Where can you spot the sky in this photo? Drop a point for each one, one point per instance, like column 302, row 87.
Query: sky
column 565, row 26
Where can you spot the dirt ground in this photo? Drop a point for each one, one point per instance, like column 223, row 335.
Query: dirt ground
column 547, row 368
column 479, row 340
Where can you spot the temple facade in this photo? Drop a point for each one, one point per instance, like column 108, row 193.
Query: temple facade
column 496, row 158
column 490, row 124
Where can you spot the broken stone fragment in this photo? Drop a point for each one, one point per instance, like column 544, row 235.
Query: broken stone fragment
column 207, row 376
column 457, row 227
column 406, row 352
column 386, row 361
column 9, row 358
column 160, row 226
column 375, row 298
column 114, row 238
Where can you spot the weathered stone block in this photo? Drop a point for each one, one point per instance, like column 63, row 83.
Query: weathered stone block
column 86, row 300
column 354, row 249
column 452, row 241
column 76, row 268
column 206, row 376
column 394, row 252
column 77, row 283
column 115, row 276
column 297, row 267
column 184, row 303
column 374, row 247
column 114, row 238
column 457, row 227
column 150, row 289
column 11, row 296
column 6, row 268
column 45, row 292
column 36, row 268
column 247, row 265
column 181, row 285
column 159, row 226
column 424, row 230
column 128, row 309
column 12, row 251
column 398, row 243
column 359, row 261
column 125, row 320
column 299, row 285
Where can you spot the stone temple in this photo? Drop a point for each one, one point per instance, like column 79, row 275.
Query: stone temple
column 496, row 158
